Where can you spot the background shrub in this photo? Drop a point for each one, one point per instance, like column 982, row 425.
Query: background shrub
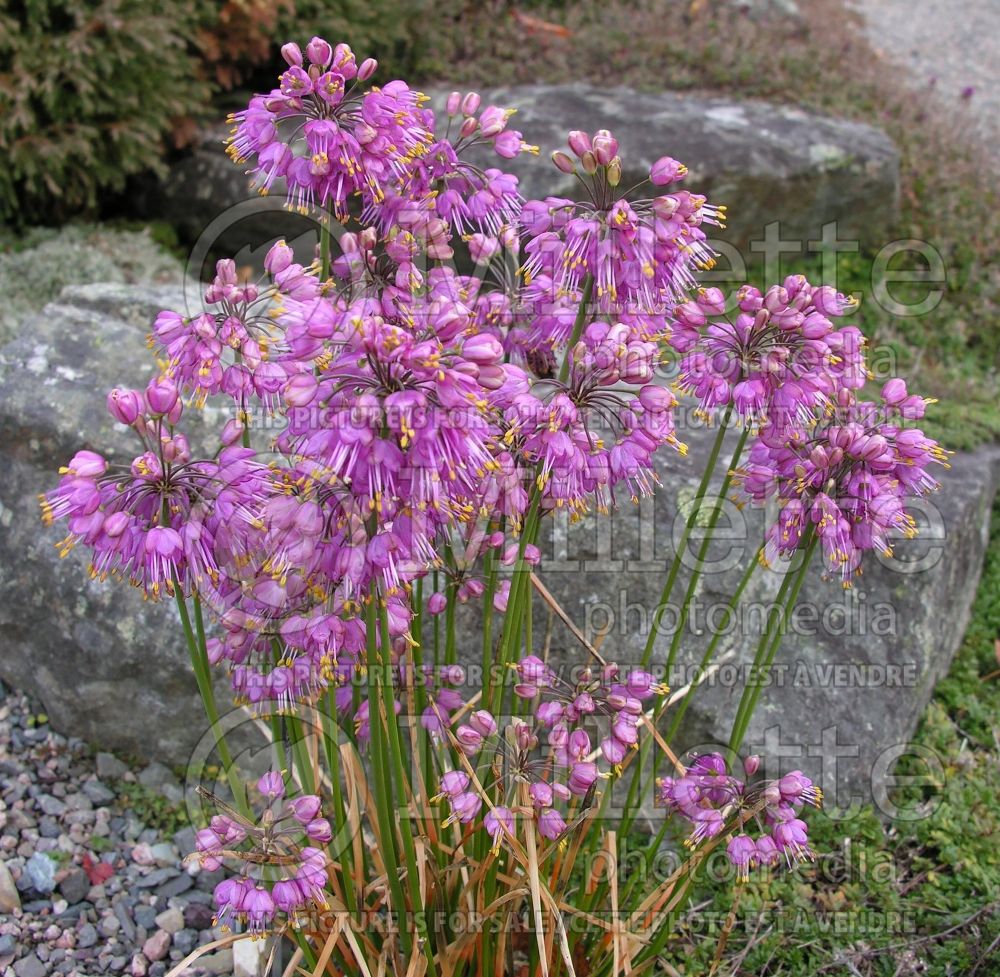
column 88, row 92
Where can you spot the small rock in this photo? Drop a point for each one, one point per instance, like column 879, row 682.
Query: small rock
column 175, row 887
column 41, row 872
column 165, row 854
column 156, row 947
column 7, row 945
column 198, row 916
column 185, row 941
column 220, row 962
column 50, row 805
column 139, row 967
column 142, row 854
column 109, row 926
column 170, row 920
column 30, row 966
column 156, row 877
column 79, row 802
column 145, row 916
column 160, row 778
column 48, row 827
column 98, row 793
column 109, row 767
column 185, row 839
column 9, row 898
column 75, row 886
column 86, row 936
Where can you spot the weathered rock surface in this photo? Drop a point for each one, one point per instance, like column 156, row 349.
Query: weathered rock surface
column 107, row 666
column 851, row 678
column 765, row 162
column 856, row 668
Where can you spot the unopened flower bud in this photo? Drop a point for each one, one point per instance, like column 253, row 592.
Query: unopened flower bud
column 470, row 104
column 367, row 68
column 319, row 51
column 614, row 172
column 292, row 54
column 579, row 142
column 563, row 162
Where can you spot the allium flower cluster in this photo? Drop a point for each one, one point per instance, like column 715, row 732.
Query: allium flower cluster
column 761, row 818
column 776, row 360
column 280, row 858
column 846, row 478
column 553, row 757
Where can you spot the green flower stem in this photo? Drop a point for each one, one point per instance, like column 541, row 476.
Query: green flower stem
column 324, row 247
column 331, row 743
column 398, row 768
column 675, row 566
column 788, row 594
column 706, row 660
column 703, row 552
column 203, row 677
column 578, row 324
column 381, row 774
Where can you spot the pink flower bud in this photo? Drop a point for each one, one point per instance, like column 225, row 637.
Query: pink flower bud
column 161, row 395
column 453, row 104
column 894, row 391
column 605, row 147
column 232, row 432
column 483, row 722
column 666, row 170
column 272, row 784
column 278, row 258
column 579, row 142
column 292, row 54
column 368, row 68
column 563, row 162
column 469, row 126
column 124, row 405
column 470, row 104
column 436, row 603
column 319, row 51
column 305, row 808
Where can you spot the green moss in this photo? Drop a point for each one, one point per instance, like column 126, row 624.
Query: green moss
column 151, row 808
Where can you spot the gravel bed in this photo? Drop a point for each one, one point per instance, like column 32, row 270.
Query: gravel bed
column 85, row 887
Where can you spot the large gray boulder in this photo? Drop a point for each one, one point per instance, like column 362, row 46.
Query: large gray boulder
column 856, row 668
column 850, row 681
column 106, row 665
column 765, row 162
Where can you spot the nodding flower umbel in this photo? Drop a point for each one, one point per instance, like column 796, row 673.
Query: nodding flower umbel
column 552, row 756
column 716, row 802
column 281, row 872
column 845, row 478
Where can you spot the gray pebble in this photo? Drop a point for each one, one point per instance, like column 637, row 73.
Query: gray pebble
column 41, row 872
column 86, row 936
column 155, row 878
column 75, row 886
column 109, row 767
column 50, row 805
column 185, row 941
column 145, row 916
column 175, row 887
column 123, row 917
column 7, row 945
column 30, row 966
column 98, row 793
